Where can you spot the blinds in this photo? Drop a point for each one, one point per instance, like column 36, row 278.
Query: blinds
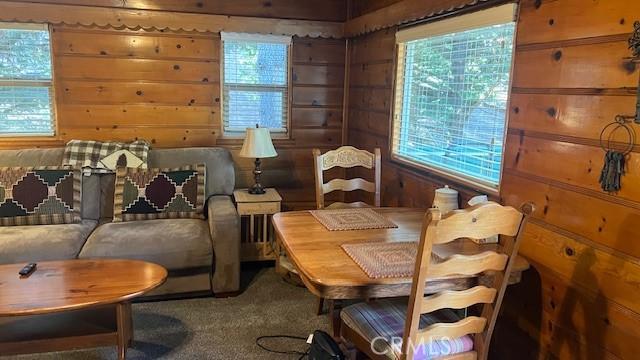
column 451, row 95
column 255, row 82
column 25, row 80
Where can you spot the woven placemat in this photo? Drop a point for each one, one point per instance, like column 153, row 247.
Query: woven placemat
column 385, row 260
column 352, row 219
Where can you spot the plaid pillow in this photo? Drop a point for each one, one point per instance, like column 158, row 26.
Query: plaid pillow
column 39, row 196
column 105, row 157
column 159, row 193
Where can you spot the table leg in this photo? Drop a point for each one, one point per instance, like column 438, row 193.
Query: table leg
column 334, row 316
column 125, row 328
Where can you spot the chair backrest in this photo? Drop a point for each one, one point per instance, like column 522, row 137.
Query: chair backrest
column 346, row 157
column 477, row 222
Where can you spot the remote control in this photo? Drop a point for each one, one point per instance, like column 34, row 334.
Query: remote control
column 28, row 269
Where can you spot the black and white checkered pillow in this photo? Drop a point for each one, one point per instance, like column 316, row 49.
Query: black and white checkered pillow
column 104, row 157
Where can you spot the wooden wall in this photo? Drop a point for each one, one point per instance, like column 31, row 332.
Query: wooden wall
column 164, row 87
column 570, row 79
column 326, row 10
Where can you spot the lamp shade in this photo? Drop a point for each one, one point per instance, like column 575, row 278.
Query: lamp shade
column 257, row 144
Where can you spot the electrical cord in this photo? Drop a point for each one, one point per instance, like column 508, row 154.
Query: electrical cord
column 286, row 352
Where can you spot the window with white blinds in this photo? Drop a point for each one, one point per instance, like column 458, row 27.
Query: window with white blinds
column 452, row 87
column 255, row 82
column 26, row 91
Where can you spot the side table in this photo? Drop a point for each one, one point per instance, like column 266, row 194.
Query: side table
column 258, row 245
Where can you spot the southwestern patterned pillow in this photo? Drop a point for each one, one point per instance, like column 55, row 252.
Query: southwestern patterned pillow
column 144, row 194
column 39, row 196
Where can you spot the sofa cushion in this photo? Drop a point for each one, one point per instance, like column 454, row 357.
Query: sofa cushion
column 147, row 194
column 173, row 243
column 53, row 157
column 104, row 157
column 39, row 196
column 220, row 166
column 21, row 244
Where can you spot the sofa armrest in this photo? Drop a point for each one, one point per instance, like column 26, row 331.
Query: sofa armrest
column 224, row 227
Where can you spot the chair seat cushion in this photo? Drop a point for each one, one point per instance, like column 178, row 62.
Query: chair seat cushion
column 382, row 322
column 176, row 244
column 21, row 244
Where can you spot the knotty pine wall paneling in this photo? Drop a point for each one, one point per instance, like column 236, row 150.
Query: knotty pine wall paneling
column 571, row 78
column 326, row 10
column 164, row 87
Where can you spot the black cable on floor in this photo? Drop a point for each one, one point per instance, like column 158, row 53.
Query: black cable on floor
column 287, row 352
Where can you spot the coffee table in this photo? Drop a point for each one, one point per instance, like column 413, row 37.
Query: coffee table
column 72, row 304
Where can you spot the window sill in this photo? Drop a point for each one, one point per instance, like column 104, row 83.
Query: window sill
column 238, row 140
column 454, row 179
column 22, row 142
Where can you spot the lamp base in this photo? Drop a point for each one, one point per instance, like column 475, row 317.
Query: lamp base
column 256, row 189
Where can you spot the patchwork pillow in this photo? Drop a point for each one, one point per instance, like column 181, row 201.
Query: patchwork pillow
column 159, row 193
column 105, row 157
column 39, row 196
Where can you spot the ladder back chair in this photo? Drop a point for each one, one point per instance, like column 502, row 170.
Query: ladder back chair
column 346, row 157
column 426, row 327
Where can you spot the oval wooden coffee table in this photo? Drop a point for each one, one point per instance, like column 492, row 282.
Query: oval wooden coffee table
column 72, row 304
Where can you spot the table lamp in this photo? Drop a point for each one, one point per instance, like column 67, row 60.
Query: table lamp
column 257, row 144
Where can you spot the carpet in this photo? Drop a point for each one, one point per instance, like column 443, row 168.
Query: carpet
column 210, row 328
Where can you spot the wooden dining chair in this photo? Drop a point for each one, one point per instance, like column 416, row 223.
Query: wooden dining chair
column 426, row 327
column 346, row 157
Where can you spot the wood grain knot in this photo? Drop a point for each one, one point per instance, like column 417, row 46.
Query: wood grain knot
column 473, row 220
column 629, row 66
column 557, row 55
column 569, row 251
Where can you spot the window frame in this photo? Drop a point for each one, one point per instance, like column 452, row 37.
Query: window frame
column 396, row 111
column 51, row 84
column 239, row 135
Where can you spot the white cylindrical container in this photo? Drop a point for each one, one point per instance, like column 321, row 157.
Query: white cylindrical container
column 446, row 199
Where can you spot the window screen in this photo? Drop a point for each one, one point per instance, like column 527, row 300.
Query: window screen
column 255, row 77
column 26, row 93
column 451, row 95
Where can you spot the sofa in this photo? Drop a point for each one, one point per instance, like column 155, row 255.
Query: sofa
column 201, row 256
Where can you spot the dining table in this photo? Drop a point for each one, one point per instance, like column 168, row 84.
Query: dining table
column 330, row 273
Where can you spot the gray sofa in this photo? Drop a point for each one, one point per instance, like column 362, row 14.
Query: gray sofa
column 200, row 255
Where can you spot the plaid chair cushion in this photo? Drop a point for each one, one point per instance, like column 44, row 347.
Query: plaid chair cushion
column 104, row 157
column 383, row 321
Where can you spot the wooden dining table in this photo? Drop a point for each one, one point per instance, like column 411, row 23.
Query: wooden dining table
column 328, row 271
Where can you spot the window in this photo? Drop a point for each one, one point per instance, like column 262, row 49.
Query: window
column 452, row 85
column 255, row 76
column 26, row 92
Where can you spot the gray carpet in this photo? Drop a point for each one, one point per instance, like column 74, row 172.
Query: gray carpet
column 210, row 328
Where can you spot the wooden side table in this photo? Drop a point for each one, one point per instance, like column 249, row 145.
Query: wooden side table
column 258, row 245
